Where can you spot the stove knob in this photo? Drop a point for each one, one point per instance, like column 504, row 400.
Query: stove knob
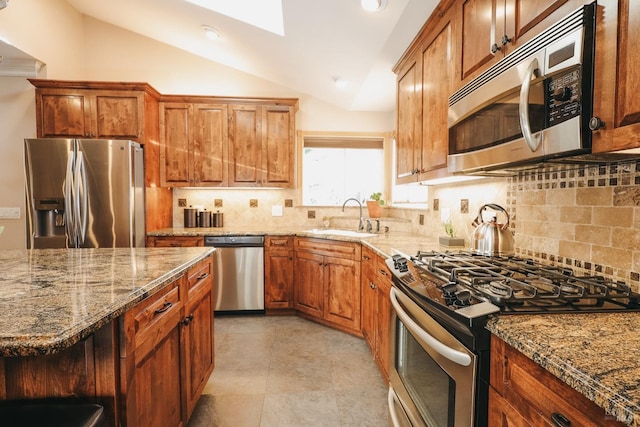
column 449, row 290
column 400, row 263
column 463, row 298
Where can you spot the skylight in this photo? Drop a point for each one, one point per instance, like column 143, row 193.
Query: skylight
column 265, row 14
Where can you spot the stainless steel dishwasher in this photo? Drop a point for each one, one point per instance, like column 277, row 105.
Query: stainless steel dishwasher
column 238, row 273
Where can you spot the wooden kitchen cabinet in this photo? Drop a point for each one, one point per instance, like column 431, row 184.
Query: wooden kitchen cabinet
column 193, row 140
column 278, row 273
column 89, row 113
column 327, row 282
column 617, row 76
column 376, row 307
column 491, row 29
column 261, row 145
column 198, row 344
column 426, row 75
column 523, row 393
column 152, row 360
column 174, row 241
column 167, row 352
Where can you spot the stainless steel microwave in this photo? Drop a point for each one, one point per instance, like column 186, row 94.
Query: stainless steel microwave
column 533, row 105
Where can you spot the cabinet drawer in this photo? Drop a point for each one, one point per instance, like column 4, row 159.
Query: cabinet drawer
column 147, row 320
column 332, row 248
column 199, row 274
column 181, row 241
column 278, row 243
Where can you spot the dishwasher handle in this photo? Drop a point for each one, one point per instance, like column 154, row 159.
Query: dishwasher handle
column 234, row 241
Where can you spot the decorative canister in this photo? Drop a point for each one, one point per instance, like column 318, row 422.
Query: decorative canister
column 190, row 217
column 205, row 218
column 217, row 220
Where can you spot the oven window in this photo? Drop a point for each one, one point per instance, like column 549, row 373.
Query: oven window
column 431, row 389
column 497, row 123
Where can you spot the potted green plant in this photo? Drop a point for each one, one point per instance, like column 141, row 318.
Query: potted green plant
column 374, row 205
column 450, row 239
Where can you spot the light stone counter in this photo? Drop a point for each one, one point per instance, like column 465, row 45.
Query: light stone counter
column 52, row 298
column 596, row 354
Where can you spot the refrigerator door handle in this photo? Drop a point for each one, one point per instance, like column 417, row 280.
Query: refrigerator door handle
column 69, row 205
column 82, row 198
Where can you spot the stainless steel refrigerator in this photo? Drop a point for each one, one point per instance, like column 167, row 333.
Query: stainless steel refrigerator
column 84, row 193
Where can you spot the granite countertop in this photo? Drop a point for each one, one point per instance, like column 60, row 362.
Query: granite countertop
column 596, row 354
column 386, row 244
column 52, row 298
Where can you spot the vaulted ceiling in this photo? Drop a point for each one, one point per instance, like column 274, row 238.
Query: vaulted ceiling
column 323, row 40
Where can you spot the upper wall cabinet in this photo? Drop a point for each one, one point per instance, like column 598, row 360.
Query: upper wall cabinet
column 193, row 139
column 426, row 75
column 227, row 144
column 82, row 110
column 491, row 29
column 261, row 145
column 617, row 76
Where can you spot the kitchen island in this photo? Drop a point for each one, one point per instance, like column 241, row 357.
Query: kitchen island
column 73, row 323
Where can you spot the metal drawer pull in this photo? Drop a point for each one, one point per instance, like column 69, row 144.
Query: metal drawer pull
column 166, row 306
column 560, row 420
column 187, row 320
column 453, row 355
column 203, row 276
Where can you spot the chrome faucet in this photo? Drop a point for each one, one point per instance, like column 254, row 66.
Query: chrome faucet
column 361, row 223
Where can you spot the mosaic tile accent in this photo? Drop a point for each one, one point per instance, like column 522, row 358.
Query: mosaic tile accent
column 585, row 217
column 182, row 203
column 217, row 203
column 288, row 203
column 253, row 203
column 464, row 206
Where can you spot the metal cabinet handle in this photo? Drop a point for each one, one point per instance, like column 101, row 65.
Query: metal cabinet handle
column 372, row 285
column 187, row 320
column 166, row 306
column 560, row 420
column 203, row 276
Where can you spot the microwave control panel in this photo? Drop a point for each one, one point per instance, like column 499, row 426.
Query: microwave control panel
column 563, row 96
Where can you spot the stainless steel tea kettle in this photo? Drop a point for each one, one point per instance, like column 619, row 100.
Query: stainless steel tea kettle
column 491, row 238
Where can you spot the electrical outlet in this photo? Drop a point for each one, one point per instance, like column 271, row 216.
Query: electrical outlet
column 9, row 213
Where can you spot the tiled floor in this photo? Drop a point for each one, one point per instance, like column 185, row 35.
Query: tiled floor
column 288, row 371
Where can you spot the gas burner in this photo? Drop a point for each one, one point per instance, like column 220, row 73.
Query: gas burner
column 518, row 285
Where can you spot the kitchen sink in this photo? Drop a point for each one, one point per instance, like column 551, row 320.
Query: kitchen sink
column 339, row 232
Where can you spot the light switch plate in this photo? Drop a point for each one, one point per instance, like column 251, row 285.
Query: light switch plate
column 9, row 213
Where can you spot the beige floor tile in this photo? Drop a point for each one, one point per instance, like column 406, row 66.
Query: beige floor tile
column 288, row 371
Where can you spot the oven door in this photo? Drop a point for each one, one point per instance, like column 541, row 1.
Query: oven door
column 432, row 374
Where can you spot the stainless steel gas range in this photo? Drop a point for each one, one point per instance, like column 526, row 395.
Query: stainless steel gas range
column 441, row 303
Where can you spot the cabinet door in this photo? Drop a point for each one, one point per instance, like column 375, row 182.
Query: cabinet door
column 369, row 307
column 309, row 283
column 383, row 326
column 482, row 27
column 118, row 115
column 438, row 74
column 198, row 333
column 245, row 145
column 63, row 113
column 408, row 134
column 209, row 144
column 617, row 76
column 342, row 292
column 176, row 157
column 279, row 146
column 278, row 275
column 501, row 414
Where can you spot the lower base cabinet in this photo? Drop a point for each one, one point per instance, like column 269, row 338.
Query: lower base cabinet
column 376, row 307
column 523, row 393
column 167, row 351
column 278, row 274
column 327, row 282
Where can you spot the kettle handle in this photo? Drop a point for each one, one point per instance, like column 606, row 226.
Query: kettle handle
column 495, row 207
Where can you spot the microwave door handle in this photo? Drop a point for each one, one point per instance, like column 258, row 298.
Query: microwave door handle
column 455, row 356
column 533, row 141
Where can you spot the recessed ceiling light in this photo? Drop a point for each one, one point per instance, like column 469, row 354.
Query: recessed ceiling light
column 210, row 32
column 340, row 83
column 373, row 5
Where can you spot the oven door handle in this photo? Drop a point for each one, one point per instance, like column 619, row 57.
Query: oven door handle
column 391, row 397
column 453, row 355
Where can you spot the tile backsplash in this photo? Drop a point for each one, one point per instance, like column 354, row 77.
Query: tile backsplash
column 586, row 217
